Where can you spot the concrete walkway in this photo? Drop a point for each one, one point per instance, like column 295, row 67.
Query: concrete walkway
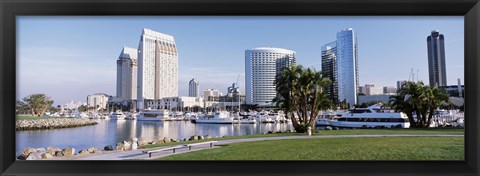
column 138, row 154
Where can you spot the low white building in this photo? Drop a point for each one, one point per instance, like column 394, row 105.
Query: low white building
column 98, row 101
column 72, row 105
column 176, row 103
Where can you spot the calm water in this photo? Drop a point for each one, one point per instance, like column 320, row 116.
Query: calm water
column 110, row 132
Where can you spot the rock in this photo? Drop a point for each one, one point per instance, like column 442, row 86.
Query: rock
column 201, row 138
column 47, row 156
column 34, row 156
column 173, row 140
column 41, row 150
column 178, row 140
column 224, row 136
column 127, row 145
column 58, row 153
column 288, row 131
column 134, row 146
column 68, row 151
column 207, row 137
column 134, row 139
column 28, row 150
column 119, row 146
column 193, row 138
column 142, row 142
column 328, row 128
column 166, row 140
column 52, row 150
column 92, row 149
column 83, row 152
column 22, row 157
column 108, row 148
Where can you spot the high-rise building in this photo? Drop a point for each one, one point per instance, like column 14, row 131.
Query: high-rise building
column 347, row 66
column 193, row 90
column 127, row 74
column 329, row 68
column 400, row 84
column 98, row 100
column 261, row 67
column 436, row 59
column 157, row 67
column 389, row 90
column 211, row 95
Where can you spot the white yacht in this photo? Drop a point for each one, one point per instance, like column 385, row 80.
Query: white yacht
column 373, row 116
column 221, row 117
column 117, row 115
column 153, row 115
column 328, row 118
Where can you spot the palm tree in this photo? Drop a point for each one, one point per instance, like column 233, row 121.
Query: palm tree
column 418, row 102
column 302, row 95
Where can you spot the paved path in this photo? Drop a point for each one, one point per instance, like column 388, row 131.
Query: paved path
column 138, row 154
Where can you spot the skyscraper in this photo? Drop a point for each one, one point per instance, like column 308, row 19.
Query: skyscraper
column 436, row 59
column 261, row 66
column 347, row 66
column 329, row 60
column 193, row 90
column 127, row 74
column 157, row 67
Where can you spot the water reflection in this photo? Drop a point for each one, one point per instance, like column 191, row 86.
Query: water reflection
column 110, row 132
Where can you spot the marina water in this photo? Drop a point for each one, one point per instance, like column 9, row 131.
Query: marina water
column 110, row 132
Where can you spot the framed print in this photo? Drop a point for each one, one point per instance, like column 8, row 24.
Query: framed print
column 239, row 87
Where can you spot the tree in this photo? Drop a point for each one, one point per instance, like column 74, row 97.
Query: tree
column 38, row 103
column 418, row 102
column 302, row 95
column 82, row 108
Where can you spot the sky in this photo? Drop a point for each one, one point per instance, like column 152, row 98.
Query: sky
column 68, row 57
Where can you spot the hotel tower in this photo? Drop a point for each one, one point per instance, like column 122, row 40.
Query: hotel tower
column 157, row 68
column 127, row 74
column 261, row 67
column 436, row 59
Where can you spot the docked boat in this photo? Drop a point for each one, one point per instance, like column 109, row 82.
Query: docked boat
column 154, row 115
column 117, row 115
column 221, row 117
column 328, row 118
column 371, row 117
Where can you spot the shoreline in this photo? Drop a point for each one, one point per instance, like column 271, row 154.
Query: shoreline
column 52, row 123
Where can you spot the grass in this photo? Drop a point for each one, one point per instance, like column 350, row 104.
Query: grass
column 329, row 132
column 365, row 148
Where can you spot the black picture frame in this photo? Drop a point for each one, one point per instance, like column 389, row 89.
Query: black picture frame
column 9, row 9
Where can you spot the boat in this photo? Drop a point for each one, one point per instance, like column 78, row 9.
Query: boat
column 328, row 118
column 154, row 115
column 117, row 115
column 131, row 116
column 221, row 117
column 371, row 117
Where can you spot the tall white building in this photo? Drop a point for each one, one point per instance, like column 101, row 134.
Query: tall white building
column 98, row 100
column 193, row 90
column 127, row 74
column 157, row 67
column 347, row 66
column 261, row 66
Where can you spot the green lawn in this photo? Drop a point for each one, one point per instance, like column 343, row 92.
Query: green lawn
column 365, row 148
column 331, row 132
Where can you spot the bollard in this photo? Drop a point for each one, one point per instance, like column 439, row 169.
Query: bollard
column 309, row 131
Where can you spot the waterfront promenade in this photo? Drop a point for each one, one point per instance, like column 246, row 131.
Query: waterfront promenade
column 138, row 154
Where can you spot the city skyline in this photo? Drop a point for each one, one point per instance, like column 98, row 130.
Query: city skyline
column 213, row 53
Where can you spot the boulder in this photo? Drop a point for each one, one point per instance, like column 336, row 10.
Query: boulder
column 328, row 128
column 201, row 138
column 98, row 152
column 68, row 151
column 173, row 140
column 108, row 148
column 166, row 140
column 58, row 153
column 119, row 146
column 207, row 137
column 134, row 146
column 193, row 138
column 91, row 150
column 41, row 150
column 142, row 142
column 52, row 150
column 47, row 156
column 34, row 156
column 28, row 150
column 134, row 140
column 127, row 145
column 22, row 157
column 83, row 152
